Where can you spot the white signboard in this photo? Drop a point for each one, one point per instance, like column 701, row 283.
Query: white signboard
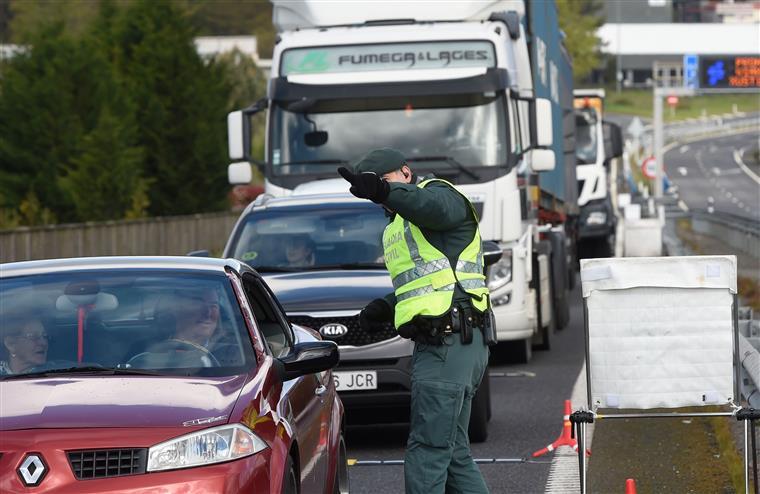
column 660, row 331
column 392, row 56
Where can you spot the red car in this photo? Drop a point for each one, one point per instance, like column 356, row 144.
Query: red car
column 163, row 374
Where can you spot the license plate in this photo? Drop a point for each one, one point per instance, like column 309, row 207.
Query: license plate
column 355, row 380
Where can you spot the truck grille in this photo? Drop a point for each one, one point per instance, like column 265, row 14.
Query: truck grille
column 101, row 463
column 355, row 336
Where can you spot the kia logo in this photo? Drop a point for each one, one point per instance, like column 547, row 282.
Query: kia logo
column 32, row 470
column 333, row 330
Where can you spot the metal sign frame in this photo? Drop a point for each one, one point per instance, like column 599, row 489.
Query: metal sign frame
column 587, row 415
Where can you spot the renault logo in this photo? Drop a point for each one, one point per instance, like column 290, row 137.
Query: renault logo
column 333, row 330
column 32, row 470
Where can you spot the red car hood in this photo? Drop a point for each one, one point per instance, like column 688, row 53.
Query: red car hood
column 134, row 401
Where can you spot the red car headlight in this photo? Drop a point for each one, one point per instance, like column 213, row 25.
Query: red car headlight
column 214, row 445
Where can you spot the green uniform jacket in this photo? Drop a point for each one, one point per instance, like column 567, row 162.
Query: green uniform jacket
column 443, row 216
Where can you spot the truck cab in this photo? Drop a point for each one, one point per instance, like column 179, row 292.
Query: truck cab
column 594, row 150
column 473, row 93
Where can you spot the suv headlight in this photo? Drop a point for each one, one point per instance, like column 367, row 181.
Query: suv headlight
column 215, row 445
column 500, row 274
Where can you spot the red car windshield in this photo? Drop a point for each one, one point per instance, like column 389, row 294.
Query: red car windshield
column 122, row 322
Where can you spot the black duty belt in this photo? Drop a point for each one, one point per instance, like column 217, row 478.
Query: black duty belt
column 433, row 330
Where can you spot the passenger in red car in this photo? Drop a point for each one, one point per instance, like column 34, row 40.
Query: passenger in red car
column 197, row 315
column 25, row 344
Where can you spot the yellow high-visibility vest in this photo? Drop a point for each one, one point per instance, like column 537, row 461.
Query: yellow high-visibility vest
column 423, row 279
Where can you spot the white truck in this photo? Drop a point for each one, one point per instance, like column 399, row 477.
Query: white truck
column 596, row 143
column 479, row 93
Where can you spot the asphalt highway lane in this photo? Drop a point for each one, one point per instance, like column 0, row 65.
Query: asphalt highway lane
column 527, row 415
column 708, row 174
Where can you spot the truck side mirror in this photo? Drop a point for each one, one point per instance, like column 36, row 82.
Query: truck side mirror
column 491, row 253
column 239, row 130
column 238, row 135
column 239, row 173
column 542, row 160
column 613, row 140
column 543, row 135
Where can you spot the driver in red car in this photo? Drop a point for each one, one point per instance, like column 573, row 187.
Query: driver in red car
column 193, row 314
column 197, row 316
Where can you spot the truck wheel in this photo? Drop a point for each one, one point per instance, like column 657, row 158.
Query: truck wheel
column 559, row 281
column 478, row 429
column 543, row 337
column 519, row 351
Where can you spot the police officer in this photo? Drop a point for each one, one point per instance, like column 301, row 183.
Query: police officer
column 433, row 253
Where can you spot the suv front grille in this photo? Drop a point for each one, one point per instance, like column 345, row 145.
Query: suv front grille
column 101, row 463
column 355, row 336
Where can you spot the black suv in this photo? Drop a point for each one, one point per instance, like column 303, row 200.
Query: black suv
column 322, row 256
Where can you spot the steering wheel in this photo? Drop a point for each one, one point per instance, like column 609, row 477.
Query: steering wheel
column 176, row 347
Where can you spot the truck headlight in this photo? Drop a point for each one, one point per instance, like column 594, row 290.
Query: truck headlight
column 500, row 273
column 215, row 445
column 596, row 218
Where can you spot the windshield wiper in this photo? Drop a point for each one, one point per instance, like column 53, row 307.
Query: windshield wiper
column 314, row 162
column 276, row 269
column 347, row 266
column 85, row 369
column 448, row 160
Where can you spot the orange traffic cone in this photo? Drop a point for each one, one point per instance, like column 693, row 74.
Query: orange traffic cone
column 630, row 486
column 565, row 437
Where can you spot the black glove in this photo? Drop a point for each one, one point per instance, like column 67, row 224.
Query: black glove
column 374, row 316
column 366, row 185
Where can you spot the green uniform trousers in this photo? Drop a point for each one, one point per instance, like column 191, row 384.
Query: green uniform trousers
column 444, row 381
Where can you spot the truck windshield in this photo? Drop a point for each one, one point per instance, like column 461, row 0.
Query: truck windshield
column 470, row 129
column 586, row 135
column 319, row 238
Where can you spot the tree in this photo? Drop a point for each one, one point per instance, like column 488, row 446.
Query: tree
column 105, row 179
column 580, row 19
column 181, row 107
column 48, row 101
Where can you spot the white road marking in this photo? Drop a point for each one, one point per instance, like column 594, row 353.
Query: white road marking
column 683, row 149
column 716, row 170
column 711, row 199
column 563, row 473
column 741, row 205
column 738, row 160
column 683, row 206
column 729, row 195
column 734, row 200
column 683, row 171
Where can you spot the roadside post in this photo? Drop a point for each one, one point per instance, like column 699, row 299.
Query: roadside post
column 638, row 309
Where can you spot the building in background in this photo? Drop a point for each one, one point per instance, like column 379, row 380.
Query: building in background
column 639, row 33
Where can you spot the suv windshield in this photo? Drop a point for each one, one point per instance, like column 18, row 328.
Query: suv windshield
column 466, row 128
column 301, row 239
column 122, row 322
column 585, row 135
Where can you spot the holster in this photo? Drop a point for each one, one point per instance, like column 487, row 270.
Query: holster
column 489, row 328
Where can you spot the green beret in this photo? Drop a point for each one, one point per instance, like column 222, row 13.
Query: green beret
column 380, row 161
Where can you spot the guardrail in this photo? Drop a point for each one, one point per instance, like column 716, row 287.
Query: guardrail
column 169, row 235
column 739, row 232
column 692, row 128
